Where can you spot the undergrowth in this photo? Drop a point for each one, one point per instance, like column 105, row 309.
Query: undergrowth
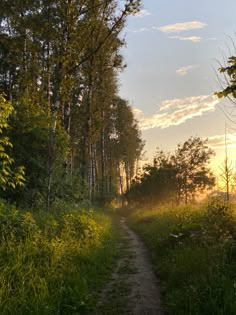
column 194, row 254
column 53, row 263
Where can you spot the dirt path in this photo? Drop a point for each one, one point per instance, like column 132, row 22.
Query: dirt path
column 133, row 288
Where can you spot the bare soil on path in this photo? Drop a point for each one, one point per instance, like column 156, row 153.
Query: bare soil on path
column 133, row 288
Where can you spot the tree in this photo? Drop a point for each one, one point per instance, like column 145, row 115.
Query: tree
column 10, row 176
column 59, row 64
column 191, row 161
column 156, row 182
column 227, row 176
column 128, row 144
column 178, row 176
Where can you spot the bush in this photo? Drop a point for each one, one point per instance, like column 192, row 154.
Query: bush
column 218, row 207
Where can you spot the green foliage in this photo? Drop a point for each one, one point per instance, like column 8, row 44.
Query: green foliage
column 80, row 226
column 42, row 150
column 194, row 254
column 10, row 176
column 59, row 68
column 16, row 227
column 230, row 76
column 53, row 263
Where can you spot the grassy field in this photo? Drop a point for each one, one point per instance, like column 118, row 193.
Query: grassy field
column 53, row 263
column 194, row 253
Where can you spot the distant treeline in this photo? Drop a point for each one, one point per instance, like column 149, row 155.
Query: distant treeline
column 176, row 177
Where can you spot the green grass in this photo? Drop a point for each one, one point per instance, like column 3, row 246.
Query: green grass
column 54, row 263
column 194, row 253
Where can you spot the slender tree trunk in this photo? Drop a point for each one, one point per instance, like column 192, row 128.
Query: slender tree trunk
column 90, row 175
column 127, row 175
column 102, row 165
column 50, row 168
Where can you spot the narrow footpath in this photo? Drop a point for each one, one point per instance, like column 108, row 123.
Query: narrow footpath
column 133, row 288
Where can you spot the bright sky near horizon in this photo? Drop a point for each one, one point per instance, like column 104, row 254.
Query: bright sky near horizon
column 172, row 54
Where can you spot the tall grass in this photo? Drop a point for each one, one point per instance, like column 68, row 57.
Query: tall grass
column 194, row 253
column 53, row 263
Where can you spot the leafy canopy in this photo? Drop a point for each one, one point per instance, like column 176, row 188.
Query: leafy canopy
column 9, row 175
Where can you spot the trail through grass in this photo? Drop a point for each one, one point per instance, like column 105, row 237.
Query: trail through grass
column 194, row 253
column 133, row 288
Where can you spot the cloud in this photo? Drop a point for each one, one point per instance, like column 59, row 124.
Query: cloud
column 218, row 141
column 142, row 29
column 174, row 28
column 180, row 27
column 176, row 111
column 184, row 70
column 194, row 39
column 142, row 13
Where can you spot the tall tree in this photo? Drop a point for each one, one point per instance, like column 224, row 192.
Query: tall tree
column 191, row 160
column 59, row 68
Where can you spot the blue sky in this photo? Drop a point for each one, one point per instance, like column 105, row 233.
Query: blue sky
column 171, row 54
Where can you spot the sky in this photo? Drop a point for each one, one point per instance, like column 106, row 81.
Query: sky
column 173, row 51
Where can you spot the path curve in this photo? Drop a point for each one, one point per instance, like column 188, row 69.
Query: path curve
column 133, row 288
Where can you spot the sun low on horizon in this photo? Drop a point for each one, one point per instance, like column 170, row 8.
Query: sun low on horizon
column 173, row 53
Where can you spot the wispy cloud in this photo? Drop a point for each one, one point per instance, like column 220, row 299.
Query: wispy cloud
column 173, row 28
column 141, row 30
column 176, row 111
column 194, row 39
column 142, row 13
column 185, row 70
column 218, row 141
column 180, row 27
